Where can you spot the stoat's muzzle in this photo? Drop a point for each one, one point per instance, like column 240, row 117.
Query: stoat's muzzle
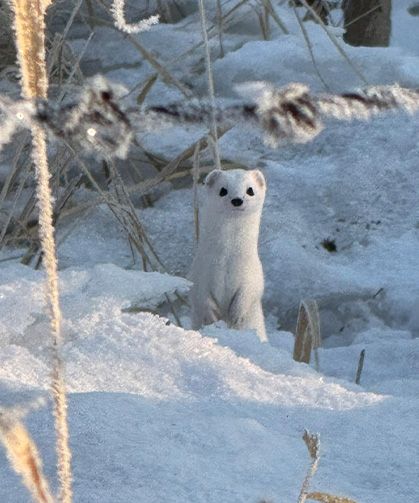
column 237, row 201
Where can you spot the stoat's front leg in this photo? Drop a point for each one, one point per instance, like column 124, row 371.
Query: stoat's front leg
column 245, row 312
column 205, row 312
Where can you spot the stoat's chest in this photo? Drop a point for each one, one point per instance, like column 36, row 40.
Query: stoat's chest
column 227, row 262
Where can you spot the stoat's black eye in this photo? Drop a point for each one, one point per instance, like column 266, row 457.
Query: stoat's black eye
column 106, row 95
column 250, row 192
column 223, row 192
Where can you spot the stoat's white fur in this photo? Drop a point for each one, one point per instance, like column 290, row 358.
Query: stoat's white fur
column 227, row 273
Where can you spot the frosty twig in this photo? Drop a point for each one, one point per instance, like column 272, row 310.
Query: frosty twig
column 96, row 121
column 291, row 114
column 211, row 91
column 117, row 10
column 23, row 456
column 29, row 26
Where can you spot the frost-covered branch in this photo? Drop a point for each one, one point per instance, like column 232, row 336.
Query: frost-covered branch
column 29, row 25
column 22, row 452
column 96, row 121
column 117, row 10
column 292, row 114
column 312, row 442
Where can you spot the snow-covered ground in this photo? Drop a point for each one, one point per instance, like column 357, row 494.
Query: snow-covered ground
column 160, row 413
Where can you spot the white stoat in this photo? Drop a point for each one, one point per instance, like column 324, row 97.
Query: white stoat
column 227, row 273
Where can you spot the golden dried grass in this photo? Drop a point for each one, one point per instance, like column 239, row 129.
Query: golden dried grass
column 23, row 456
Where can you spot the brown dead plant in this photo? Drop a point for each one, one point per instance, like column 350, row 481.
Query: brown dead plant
column 307, row 334
column 29, row 27
column 23, row 456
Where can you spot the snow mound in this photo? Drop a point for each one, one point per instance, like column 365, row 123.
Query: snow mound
column 83, row 291
column 158, row 413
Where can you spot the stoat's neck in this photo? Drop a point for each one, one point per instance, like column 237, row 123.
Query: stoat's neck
column 235, row 233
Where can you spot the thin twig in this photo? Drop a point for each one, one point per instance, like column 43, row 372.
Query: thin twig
column 360, row 367
column 334, row 41
column 309, row 46
column 195, row 178
column 215, row 146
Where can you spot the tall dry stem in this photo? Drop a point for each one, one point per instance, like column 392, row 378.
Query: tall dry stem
column 211, row 91
column 307, row 334
column 328, row 498
column 312, row 442
column 24, row 458
column 195, row 179
column 29, row 25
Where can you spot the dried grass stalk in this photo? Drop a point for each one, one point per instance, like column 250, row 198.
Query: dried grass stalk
column 211, row 89
column 307, row 334
column 312, row 442
column 334, row 40
column 29, row 25
column 195, row 179
column 360, row 367
column 328, row 498
column 24, row 458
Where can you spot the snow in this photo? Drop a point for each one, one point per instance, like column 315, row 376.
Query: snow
column 162, row 413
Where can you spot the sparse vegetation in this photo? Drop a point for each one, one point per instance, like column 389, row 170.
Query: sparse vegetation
column 96, row 148
column 307, row 333
column 29, row 25
column 23, row 456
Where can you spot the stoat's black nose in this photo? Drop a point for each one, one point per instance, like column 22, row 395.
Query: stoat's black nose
column 237, row 201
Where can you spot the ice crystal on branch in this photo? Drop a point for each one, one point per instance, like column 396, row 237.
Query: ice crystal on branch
column 287, row 113
column 292, row 114
column 95, row 122
column 117, row 10
column 364, row 103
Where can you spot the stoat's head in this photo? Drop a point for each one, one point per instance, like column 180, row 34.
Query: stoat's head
column 236, row 190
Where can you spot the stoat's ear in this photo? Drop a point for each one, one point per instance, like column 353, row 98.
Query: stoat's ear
column 212, row 177
column 259, row 178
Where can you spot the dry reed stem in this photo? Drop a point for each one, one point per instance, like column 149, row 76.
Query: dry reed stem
column 46, row 234
column 307, row 334
column 312, row 442
column 195, row 180
column 123, row 210
column 8, row 184
column 360, row 367
column 271, row 10
column 328, row 498
column 220, row 27
column 309, row 46
column 24, row 458
column 143, row 188
column 29, row 27
column 146, row 88
column 29, row 24
column 57, row 49
column 60, row 205
column 211, row 90
column 334, row 41
column 160, row 68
